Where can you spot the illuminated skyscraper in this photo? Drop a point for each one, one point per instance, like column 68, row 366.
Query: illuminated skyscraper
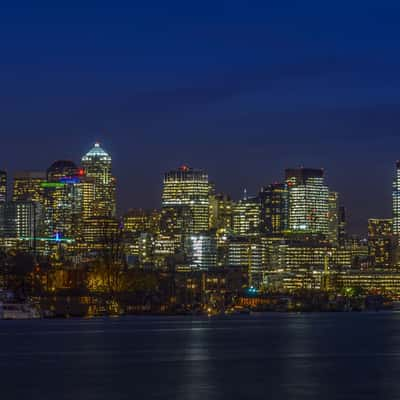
column 221, row 208
column 202, row 251
column 342, row 235
column 185, row 200
column 380, row 242
column 97, row 165
column 333, row 217
column 274, row 208
column 62, row 199
column 308, row 200
column 247, row 216
column 3, row 186
column 21, row 220
column 396, row 204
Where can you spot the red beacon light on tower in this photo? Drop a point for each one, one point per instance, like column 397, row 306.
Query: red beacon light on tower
column 184, row 168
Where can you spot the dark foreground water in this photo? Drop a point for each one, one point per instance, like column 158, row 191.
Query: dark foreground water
column 278, row 356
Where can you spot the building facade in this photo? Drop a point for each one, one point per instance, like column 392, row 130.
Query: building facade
column 308, row 200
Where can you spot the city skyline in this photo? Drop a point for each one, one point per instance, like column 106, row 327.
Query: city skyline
column 124, row 202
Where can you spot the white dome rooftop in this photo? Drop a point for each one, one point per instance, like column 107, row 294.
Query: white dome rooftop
column 96, row 152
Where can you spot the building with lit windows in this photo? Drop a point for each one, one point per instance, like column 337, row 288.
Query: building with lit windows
column 342, row 226
column 62, row 200
column 201, row 250
column 21, row 221
column 97, row 165
column 185, row 201
column 380, row 242
column 101, row 233
column 139, row 221
column 221, row 210
column 308, row 200
column 246, row 217
column 333, row 217
column 27, row 186
column 3, row 186
column 396, row 204
column 274, row 208
column 247, row 252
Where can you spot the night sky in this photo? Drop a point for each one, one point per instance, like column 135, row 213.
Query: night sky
column 242, row 89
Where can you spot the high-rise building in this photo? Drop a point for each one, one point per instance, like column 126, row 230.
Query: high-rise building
column 221, row 208
column 185, row 200
column 396, row 204
column 63, row 199
column 274, row 208
column 97, row 165
column 308, row 200
column 21, row 220
column 333, row 217
column 380, row 242
column 3, row 186
column 342, row 235
column 202, row 251
column 247, row 252
column 28, row 186
column 246, row 217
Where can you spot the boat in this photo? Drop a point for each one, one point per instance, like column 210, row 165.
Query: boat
column 18, row 311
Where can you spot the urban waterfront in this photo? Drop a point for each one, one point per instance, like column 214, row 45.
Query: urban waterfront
column 275, row 356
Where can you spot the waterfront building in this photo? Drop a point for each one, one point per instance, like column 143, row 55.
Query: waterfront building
column 97, row 165
column 308, row 200
column 379, row 281
column 274, row 208
column 380, row 242
column 185, row 201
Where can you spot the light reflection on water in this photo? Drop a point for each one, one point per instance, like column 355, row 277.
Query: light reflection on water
column 277, row 356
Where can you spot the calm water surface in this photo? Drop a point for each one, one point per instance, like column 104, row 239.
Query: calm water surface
column 278, row 356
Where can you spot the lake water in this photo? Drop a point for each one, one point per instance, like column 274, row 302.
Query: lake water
column 276, row 356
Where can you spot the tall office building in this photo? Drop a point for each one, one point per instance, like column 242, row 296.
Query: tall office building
column 274, row 208
column 28, row 186
column 185, row 200
column 62, row 199
column 308, row 201
column 396, row 204
column 202, row 251
column 3, row 186
column 246, row 217
column 333, row 217
column 221, row 208
column 342, row 234
column 21, row 220
column 97, row 164
column 380, row 249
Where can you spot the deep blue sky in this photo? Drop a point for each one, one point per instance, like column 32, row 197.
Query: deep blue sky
column 242, row 89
